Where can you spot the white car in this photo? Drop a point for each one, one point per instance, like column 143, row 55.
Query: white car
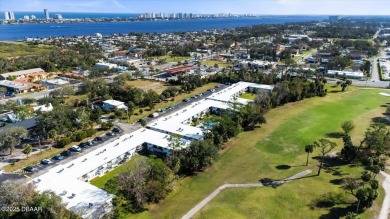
column 75, row 148
column 46, row 161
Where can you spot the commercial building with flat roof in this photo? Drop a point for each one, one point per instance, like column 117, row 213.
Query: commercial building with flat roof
column 15, row 86
column 346, row 74
column 21, row 74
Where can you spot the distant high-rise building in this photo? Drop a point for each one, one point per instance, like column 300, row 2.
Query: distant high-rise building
column 58, row 16
column 47, row 16
column 26, row 17
column 9, row 15
column 33, row 17
column 6, row 15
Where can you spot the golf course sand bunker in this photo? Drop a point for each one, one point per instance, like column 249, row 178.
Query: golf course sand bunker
column 385, row 94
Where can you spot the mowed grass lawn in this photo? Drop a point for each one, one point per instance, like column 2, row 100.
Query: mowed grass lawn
column 101, row 181
column 19, row 49
column 248, row 96
column 145, row 85
column 256, row 154
column 221, row 64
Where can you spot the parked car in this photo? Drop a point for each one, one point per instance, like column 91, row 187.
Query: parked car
column 66, row 153
column 30, row 169
column 186, row 100
column 46, row 161
column 58, row 157
column 75, row 148
column 116, row 129
column 110, row 134
column 84, row 144
column 98, row 138
column 154, row 115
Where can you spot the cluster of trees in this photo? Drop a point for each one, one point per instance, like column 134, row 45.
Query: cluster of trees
column 148, row 181
column 133, row 96
column 370, row 152
column 69, row 124
column 62, row 92
column 19, row 195
column 83, row 55
column 287, row 89
column 22, row 112
column 10, row 138
column 339, row 62
column 345, row 29
column 360, row 45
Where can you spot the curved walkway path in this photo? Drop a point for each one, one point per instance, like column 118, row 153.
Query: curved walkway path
column 199, row 206
column 384, row 214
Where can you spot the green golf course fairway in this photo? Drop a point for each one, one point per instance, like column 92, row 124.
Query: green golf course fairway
column 254, row 155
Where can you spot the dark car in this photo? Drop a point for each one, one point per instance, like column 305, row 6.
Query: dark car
column 116, row 129
column 58, row 157
column 110, row 134
column 84, row 144
column 30, row 169
column 66, row 153
column 98, row 138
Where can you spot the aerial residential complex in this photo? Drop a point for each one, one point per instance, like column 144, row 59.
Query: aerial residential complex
column 70, row 180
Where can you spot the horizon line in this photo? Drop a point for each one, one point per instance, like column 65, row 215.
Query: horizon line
column 255, row 14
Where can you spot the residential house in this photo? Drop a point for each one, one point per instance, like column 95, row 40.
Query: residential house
column 113, row 105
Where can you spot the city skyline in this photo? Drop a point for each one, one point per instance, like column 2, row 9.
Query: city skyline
column 277, row 7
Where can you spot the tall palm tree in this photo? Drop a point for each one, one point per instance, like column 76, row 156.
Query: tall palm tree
column 308, row 149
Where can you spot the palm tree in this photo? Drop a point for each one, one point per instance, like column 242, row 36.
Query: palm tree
column 309, row 149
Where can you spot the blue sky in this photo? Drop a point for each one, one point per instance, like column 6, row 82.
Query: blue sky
column 341, row 7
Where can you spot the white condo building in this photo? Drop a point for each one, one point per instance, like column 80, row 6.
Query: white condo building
column 71, row 180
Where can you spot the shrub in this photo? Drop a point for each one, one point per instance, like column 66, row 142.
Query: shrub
column 63, row 142
column 80, row 135
column 106, row 125
column 90, row 132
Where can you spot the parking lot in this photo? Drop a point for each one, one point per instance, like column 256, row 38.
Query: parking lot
column 41, row 168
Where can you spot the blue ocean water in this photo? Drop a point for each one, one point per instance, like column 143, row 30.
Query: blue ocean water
column 41, row 15
column 21, row 31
